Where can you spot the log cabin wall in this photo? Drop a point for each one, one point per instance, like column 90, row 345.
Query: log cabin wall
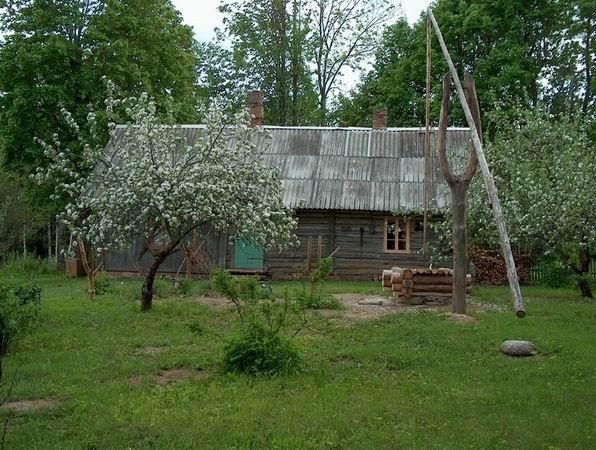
column 212, row 253
column 359, row 236
column 343, row 178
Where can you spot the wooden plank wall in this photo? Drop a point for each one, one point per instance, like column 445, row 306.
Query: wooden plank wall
column 127, row 261
column 359, row 237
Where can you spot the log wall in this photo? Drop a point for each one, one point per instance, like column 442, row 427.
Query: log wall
column 358, row 236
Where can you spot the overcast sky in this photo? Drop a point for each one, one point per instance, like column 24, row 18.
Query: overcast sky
column 203, row 16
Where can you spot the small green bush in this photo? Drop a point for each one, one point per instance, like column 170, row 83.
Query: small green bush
column 317, row 301
column 185, row 287
column 20, row 310
column 313, row 298
column 264, row 345
column 103, row 283
column 555, row 273
column 257, row 351
column 27, row 293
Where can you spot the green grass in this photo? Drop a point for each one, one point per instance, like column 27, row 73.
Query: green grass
column 402, row 381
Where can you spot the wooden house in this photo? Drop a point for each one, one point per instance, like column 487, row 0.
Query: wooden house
column 354, row 191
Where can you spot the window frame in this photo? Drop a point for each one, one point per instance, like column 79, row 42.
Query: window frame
column 398, row 221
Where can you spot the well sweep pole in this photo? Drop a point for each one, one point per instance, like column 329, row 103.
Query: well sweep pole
column 488, row 179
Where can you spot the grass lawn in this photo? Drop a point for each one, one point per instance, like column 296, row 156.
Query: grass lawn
column 400, row 381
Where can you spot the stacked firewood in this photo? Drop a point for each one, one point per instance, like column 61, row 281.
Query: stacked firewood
column 407, row 283
column 491, row 268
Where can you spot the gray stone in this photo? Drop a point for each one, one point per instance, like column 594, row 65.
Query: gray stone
column 518, row 348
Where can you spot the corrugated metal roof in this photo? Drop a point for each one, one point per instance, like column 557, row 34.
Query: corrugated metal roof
column 352, row 168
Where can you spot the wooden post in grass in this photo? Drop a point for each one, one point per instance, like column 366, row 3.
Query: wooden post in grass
column 488, row 178
column 309, row 255
column 319, row 249
column 458, row 184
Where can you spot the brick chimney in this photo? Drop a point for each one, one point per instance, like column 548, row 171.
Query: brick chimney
column 255, row 108
column 379, row 121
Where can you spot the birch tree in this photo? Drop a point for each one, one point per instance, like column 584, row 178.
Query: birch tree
column 344, row 33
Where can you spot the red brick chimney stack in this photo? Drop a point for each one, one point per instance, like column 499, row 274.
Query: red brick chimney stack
column 379, row 118
column 255, row 108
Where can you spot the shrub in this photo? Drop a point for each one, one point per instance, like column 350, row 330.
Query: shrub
column 185, row 287
column 265, row 345
column 313, row 298
column 317, row 301
column 103, row 283
column 554, row 272
column 28, row 265
column 20, row 310
column 258, row 351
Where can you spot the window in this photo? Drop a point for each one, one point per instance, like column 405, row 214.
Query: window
column 397, row 234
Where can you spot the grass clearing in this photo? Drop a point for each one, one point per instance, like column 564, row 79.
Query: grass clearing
column 402, row 380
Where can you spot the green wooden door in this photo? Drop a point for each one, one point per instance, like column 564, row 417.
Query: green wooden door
column 247, row 256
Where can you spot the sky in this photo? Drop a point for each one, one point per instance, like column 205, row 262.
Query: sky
column 203, row 15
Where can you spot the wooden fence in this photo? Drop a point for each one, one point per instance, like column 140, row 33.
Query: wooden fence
column 540, row 271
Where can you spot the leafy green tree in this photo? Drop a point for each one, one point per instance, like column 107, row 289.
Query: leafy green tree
column 56, row 52
column 143, row 46
column 41, row 66
column 544, row 168
column 54, row 55
column 268, row 48
column 531, row 51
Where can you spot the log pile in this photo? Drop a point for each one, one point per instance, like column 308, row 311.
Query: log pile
column 410, row 284
column 491, row 268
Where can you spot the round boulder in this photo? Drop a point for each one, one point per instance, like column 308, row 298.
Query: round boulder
column 518, row 348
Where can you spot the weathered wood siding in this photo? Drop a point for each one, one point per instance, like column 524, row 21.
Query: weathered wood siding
column 213, row 253
column 358, row 236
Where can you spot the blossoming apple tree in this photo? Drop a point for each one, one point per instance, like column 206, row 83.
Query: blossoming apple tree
column 545, row 169
column 152, row 183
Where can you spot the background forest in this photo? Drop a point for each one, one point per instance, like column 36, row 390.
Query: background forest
column 533, row 62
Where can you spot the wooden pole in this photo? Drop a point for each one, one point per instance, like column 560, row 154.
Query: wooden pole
column 319, row 249
column 488, row 179
column 309, row 255
column 427, row 138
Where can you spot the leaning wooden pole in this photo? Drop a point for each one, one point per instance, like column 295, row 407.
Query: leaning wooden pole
column 427, row 140
column 488, row 179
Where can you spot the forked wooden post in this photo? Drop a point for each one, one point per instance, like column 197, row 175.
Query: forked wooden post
column 488, row 178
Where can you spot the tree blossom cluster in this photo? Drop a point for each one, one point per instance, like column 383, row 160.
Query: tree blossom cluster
column 152, row 181
column 544, row 169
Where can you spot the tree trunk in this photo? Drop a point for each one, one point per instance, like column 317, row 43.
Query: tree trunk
column 460, row 254
column 586, row 289
column 147, row 290
column 91, row 284
column 585, row 258
column 487, row 176
column 50, row 239
column 88, row 261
